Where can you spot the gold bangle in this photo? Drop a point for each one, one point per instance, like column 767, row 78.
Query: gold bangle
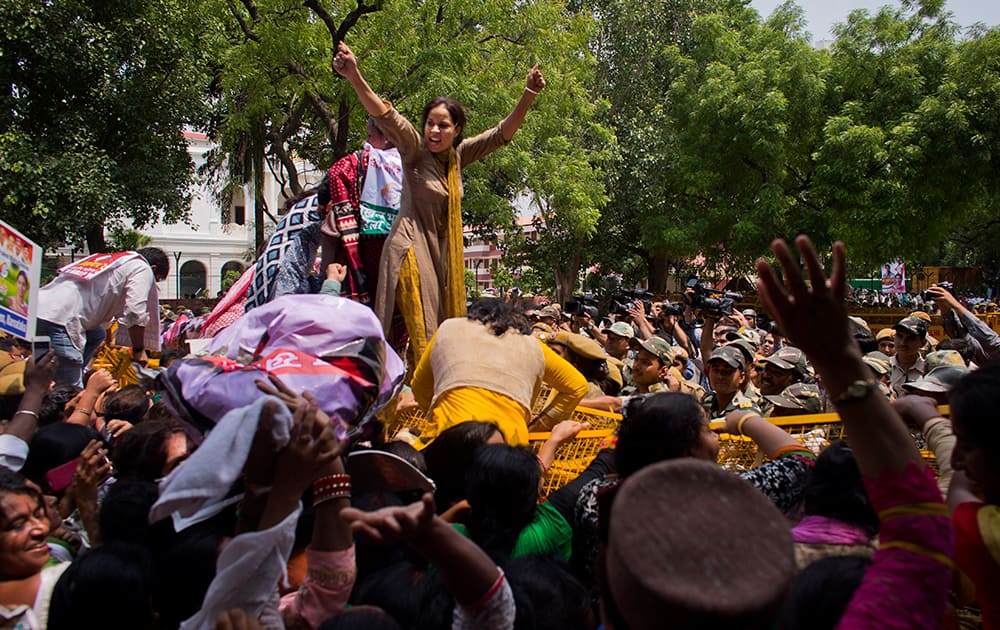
column 739, row 425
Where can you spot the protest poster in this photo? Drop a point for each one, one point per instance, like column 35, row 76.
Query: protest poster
column 20, row 275
column 894, row 277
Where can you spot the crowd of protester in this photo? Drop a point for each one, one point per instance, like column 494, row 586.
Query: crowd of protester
column 252, row 482
column 875, row 298
column 234, row 491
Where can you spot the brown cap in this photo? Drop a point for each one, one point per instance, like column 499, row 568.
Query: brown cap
column 921, row 315
column 725, row 560
column 885, row 333
column 583, row 346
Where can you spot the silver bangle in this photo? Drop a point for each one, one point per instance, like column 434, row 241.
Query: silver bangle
column 528, row 89
column 26, row 411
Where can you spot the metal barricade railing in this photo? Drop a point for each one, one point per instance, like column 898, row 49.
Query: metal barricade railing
column 736, row 452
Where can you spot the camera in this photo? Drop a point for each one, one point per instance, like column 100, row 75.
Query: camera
column 622, row 301
column 947, row 286
column 672, row 308
column 709, row 301
column 581, row 304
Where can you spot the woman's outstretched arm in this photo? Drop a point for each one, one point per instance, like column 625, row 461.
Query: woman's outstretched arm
column 534, row 84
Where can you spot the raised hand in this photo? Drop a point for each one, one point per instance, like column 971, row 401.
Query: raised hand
column 336, row 271
column 535, row 81
column 38, row 376
column 567, row 430
column 344, row 62
column 274, row 386
column 313, row 445
column 813, row 316
column 393, row 524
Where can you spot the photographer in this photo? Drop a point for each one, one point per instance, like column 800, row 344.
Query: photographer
column 669, row 327
column 582, row 310
column 960, row 323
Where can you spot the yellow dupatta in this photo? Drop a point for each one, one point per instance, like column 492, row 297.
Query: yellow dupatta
column 454, row 285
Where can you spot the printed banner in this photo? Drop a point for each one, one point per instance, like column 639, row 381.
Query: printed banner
column 96, row 264
column 894, row 277
column 382, row 192
column 20, row 274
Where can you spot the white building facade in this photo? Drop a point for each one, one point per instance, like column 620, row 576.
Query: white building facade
column 219, row 237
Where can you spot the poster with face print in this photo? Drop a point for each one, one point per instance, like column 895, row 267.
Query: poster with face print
column 894, row 277
column 20, row 273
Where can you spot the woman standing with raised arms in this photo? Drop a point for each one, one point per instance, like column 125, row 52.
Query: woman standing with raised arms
column 423, row 271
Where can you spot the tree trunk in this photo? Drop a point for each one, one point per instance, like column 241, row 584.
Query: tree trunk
column 258, row 215
column 567, row 277
column 657, row 272
column 95, row 239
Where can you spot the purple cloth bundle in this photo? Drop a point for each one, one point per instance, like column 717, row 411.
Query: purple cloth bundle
column 329, row 346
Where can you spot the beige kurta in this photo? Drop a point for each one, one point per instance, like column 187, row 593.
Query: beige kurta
column 422, row 223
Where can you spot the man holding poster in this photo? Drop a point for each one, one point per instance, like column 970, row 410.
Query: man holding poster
column 88, row 294
column 20, row 269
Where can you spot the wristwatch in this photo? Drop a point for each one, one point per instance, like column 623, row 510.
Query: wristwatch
column 858, row 390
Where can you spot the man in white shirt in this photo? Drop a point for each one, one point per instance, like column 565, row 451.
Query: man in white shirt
column 88, row 294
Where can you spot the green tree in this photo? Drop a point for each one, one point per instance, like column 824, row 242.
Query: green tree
column 281, row 96
column 230, row 278
column 886, row 141
column 94, row 100
column 125, row 240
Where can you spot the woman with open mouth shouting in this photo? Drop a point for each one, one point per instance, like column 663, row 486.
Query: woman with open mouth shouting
column 422, row 272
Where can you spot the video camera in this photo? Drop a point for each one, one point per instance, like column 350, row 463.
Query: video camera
column 947, row 286
column 623, row 299
column 709, row 301
column 580, row 304
column 672, row 308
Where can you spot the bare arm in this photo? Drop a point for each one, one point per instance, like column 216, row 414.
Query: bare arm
column 562, row 432
column 346, row 65
column 815, row 319
column 534, row 84
column 707, row 345
column 680, row 337
column 468, row 572
column 37, row 380
column 770, row 438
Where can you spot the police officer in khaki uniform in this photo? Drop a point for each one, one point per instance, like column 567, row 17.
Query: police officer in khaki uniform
column 726, row 372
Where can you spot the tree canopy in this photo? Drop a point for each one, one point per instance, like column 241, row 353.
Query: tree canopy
column 94, row 101
column 886, row 141
column 673, row 133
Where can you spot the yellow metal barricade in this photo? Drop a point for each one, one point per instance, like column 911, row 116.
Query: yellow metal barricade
column 571, row 457
column 736, row 452
column 814, row 431
column 118, row 361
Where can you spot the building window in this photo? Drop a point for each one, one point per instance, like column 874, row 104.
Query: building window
column 240, row 215
column 193, row 279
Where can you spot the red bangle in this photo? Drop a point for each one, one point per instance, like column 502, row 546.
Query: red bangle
column 545, row 468
column 331, row 487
